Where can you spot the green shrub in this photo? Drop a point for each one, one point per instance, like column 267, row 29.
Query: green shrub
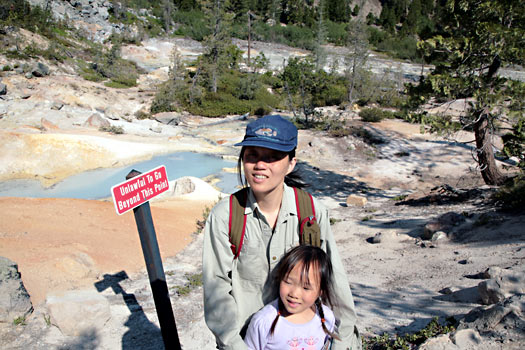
column 194, row 281
column 511, row 196
column 291, row 35
column 374, row 115
column 271, row 80
column 164, row 101
column 371, row 115
column 438, row 123
column 21, row 320
column 191, row 24
column 336, row 32
column 6, row 68
column 54, row 52
column 220, row 104
column 122, row 82
column 140, row 115
column 332, row 94
column 92, row 76
column 117, row 130
column 411, row 340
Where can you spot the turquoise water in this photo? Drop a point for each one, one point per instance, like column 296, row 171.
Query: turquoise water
column 96, row 184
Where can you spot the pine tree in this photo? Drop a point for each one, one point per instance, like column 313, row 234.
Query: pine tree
column 216, row 43
column 477, row 39
column 413, row 17
column 358, row 46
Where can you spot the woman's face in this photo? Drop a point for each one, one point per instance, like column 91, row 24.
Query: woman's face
column 266, row 168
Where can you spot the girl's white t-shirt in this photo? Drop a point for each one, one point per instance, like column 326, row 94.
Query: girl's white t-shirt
column 287, row 335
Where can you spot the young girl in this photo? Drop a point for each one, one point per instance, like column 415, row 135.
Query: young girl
column 297, row 319
column 237, row 286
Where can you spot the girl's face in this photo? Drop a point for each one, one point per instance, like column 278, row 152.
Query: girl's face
column 266, row 168
column 299, row 294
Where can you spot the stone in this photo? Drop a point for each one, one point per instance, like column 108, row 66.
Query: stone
column 3, row 89
column 78, row 265
column 386, row 237
column 96, row 121
column 493, row 272
column 503, row 284
column 441, row 342
column 48, row 125
column 57, row 106
column 183, row 186
column 466, row 338
column 40, row 70
column 14, row 299
column 354, row 200
column 443, row 223
column 439, row 236
column 111, row 113
column 156, row 129
column 168, row 118
column 104, row 13
column 79, row 311
column 505, row 319
column 446, row 291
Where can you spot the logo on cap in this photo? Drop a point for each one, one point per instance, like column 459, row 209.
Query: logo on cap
column 266, row 132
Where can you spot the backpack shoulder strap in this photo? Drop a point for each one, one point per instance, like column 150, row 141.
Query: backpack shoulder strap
column 309, row 230
column 237, row 221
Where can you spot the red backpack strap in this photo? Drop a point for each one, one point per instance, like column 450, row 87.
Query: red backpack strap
column 237, row 220
column 309, row 230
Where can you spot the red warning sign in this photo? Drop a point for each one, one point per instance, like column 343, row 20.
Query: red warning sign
column 139, row 189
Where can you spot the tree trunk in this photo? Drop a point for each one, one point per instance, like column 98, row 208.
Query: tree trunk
column 485, row 156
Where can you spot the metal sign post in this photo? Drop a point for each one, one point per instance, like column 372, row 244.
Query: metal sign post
column 150, row 248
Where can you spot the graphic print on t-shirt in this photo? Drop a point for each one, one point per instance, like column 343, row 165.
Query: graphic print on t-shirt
column 296, row 343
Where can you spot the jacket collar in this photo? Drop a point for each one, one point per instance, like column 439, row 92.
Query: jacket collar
column 288, row 206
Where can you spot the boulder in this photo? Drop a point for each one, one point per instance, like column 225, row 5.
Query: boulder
column 439, row 236
column 77, row 312
column 387, row 237
column 112, row 113
column 466, row 338
column 156, row 129
column 460, row 340
column 14, row 299
column 354, row 200
column 57, row 106
column 441, row 342
column 96, row 121
column 168, row 118
column 443, row 223
column 504, row 320
column 40, row 70
column 48, row 125
column 502, row 284
column 182, row 186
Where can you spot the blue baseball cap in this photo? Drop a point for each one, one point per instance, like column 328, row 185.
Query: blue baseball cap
column 271, row 131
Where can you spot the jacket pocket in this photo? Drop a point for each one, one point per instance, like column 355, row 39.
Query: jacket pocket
column 251, row 264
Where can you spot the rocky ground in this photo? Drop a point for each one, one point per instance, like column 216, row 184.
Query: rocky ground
column 414, row 224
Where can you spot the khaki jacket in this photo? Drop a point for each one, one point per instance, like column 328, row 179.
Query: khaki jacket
column 235, row 289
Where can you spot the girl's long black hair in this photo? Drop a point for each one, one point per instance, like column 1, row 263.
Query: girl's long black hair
column 311, row 258
column 293, row 179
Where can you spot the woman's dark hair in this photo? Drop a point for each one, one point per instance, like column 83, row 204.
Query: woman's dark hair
column 293, row 179
column 310, row 257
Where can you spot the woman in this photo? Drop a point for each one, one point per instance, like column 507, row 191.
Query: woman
column 236, row 288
